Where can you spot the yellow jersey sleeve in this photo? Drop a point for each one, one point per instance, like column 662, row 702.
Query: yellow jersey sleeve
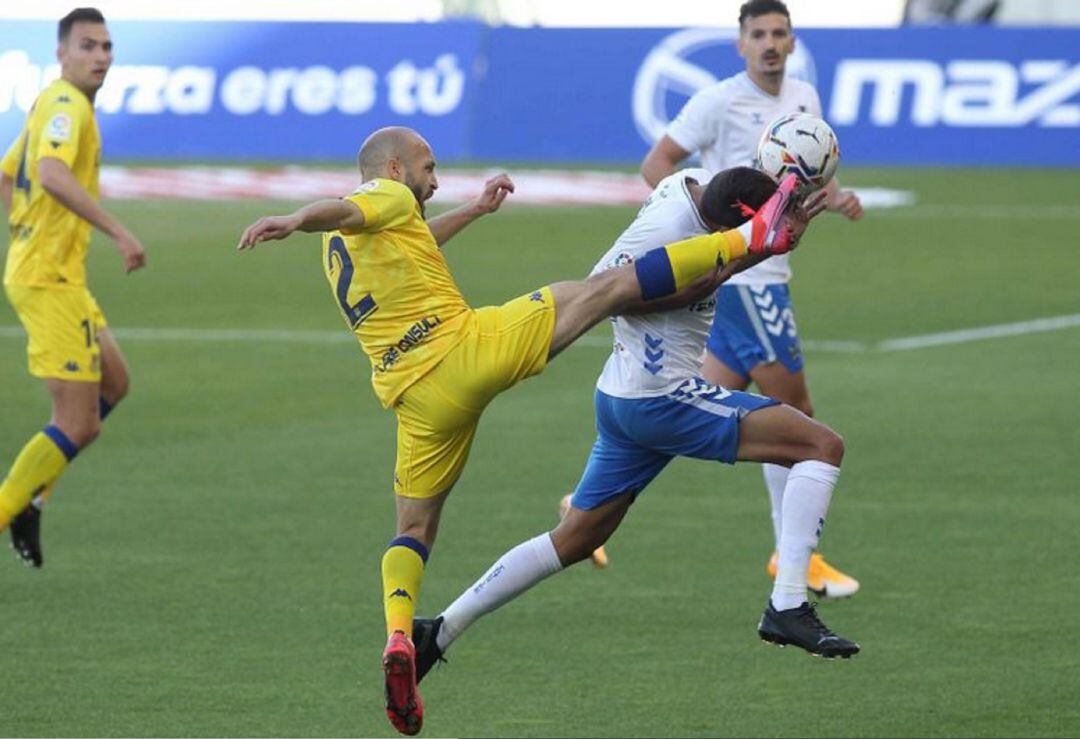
column 10, row 163
column 384, row 203
column 62, row 120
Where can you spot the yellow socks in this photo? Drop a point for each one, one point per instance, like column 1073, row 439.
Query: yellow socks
column 402, row 572
column 666, row 271
column 39, row 464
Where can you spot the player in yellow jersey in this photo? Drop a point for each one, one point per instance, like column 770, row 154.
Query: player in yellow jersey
column 49, row 186
column 438, row 363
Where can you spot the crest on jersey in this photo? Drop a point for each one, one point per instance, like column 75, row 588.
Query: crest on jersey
column 59, row 127
column 687, row 61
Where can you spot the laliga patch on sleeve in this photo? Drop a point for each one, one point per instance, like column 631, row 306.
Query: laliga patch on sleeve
column 59, row 127
column 366, row 187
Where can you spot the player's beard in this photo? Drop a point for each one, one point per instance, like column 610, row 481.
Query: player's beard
column 418, row 193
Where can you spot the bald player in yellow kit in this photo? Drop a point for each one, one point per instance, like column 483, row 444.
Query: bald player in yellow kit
column 438, row 363
column 49, row 186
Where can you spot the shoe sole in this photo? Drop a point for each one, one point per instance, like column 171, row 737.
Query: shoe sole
column 833, row 594
column 781, row 641
column 403, row 713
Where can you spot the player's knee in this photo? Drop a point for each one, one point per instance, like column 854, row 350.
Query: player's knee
column 829, row 446
column 116, row 387
column 83, row 432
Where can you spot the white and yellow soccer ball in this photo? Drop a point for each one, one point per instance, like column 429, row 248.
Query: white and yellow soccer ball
column 799, row 144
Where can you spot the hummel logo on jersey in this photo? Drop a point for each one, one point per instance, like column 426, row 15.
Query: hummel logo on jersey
column 400, row 593
column 756, row 118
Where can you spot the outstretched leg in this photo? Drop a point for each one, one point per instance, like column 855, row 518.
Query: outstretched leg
column 575, row 538
column 783, row 435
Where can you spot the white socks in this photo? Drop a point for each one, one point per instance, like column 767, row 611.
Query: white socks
column 515, row 572
column 776, row 480
column 806, row 500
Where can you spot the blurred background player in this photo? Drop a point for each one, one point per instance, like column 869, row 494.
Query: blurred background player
column 754, row 337
column 652, row 406
column 49, row 186
column 437, row 362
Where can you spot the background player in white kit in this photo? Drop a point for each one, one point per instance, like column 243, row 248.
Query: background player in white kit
column 652, row 406
column 753, row 337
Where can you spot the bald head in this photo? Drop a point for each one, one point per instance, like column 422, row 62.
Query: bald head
column 401, row 154
column 392, row 142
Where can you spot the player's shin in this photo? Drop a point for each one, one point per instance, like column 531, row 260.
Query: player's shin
column 43, row 497
column 402, row 572
column 39, row 464
column 806, row 501
column 515, row 572
column 665, row 271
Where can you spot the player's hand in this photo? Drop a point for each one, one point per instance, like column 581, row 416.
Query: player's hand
column 495, row 191
column 801, row 212
column 847, row 204
column 132, row 251
column 269, row 228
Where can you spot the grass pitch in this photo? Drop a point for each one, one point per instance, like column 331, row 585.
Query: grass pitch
column 212, row 562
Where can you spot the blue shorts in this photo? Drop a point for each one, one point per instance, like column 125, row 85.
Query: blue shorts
column 636, row 438
column 754, row 325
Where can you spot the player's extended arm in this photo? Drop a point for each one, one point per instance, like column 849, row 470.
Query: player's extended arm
column 322, row 215
column 446, row 225
column 61, row 184
column 662, row 160
column 7, row 187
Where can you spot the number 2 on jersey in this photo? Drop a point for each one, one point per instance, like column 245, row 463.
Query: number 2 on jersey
column 355, row 313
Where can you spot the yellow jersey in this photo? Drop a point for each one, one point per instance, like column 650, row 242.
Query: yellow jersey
column 394, row 288
column 48, row 241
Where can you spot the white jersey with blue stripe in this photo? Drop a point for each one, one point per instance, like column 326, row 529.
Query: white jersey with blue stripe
column 653, row 353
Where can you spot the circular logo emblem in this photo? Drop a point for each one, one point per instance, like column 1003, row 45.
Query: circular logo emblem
column 687, row 61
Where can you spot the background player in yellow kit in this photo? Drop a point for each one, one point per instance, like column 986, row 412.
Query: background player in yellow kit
column 437, row 362
column 49, row 186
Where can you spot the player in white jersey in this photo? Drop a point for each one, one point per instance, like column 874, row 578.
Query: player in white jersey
column 754, row 336
column 653, row 406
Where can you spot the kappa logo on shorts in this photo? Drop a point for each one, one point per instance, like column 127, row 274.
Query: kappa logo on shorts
column 537, row 297
column 71, row 366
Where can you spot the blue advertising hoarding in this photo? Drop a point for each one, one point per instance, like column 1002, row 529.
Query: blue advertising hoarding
column 311, row 91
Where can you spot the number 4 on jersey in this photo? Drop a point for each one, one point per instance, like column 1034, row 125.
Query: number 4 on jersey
column 355, row 313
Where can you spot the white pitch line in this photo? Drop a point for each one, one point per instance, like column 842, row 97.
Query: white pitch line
column 598, row 341
column 1039, row 325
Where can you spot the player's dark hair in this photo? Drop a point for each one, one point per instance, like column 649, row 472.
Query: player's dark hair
column 79, row 15
column 731, row 196
column 756, row 8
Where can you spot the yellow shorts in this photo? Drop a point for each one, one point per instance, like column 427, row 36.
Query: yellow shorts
column 437, row 415
column 62, row 325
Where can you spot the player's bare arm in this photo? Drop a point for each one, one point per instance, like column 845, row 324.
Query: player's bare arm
column 59, row 181
column 6, row 188
column 662, row 160
column 844, row 202
column 446, row 225
column 322, row 215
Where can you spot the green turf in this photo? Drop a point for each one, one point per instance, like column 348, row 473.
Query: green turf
column 212, row 562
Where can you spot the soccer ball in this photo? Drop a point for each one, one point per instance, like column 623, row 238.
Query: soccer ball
column 800, row 144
